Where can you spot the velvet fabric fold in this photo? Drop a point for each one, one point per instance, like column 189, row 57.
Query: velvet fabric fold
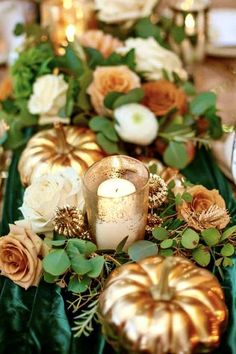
column 37, row 321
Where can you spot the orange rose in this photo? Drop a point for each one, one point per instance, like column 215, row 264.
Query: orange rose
column 110, row 79
column 5, row 88
column 20, row 253
column 206, row 210
column 96, row 39
column 162, row 96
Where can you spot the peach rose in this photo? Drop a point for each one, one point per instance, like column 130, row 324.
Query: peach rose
column 20, row 253
column 101, row 41
column 206, row 210
column 110, row 79
column 162, row 96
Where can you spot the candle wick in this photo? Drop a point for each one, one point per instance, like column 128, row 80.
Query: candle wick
column 117, row 190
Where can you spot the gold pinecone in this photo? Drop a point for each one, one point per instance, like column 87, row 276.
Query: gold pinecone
column 69, row 221
column 157, row 191
column 153, row 220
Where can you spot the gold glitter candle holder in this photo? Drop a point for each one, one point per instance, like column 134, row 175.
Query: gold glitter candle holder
column 116, row 195
column 192, row 16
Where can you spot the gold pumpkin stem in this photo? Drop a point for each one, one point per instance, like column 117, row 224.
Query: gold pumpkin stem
column 63, row 146
column 162, row 291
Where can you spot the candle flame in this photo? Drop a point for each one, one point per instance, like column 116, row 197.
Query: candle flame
column 190, row 24
column 70, row 33
column 67, row 4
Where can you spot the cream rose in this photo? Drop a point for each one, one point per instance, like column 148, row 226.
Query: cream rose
column 20, row 256
column 49, row 95
column 48, row 192
column 110, row 79
column 136, row 124
column 152, row 59
column 113, row 11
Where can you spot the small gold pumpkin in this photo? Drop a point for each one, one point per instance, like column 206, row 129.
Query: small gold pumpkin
column 50, row 150
column 163, row 305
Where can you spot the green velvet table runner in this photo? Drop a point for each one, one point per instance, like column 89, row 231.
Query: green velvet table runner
column 36, row 321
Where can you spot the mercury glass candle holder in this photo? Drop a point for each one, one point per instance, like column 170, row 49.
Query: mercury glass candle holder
column 67, row 19
column 192, row 16
column 113, row 218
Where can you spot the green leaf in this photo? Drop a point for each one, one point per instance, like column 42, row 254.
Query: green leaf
column 202, row 102
column 107, row 145
column 133, row 96
column 229, row 232
column 187, row 197
column 77, row 285
column 227, row 250
column 98, row 123
column 19, row 29
column 83, row 98
column 49, row 278
column 84, row 247
column 80, row 264
column 160, row 233
column 189, row 88
column 227, row 262
column 176, row 155
column 202, row 255
column 190, row 239
column 56, row 262
column 211, row 236
column 120, row 247
column 215, row 128
column 166, row 252
column 178, row 33
column 145, row 28
column 55, row 243
column 166, row 244
column 110, row 99
column 95, row 57
column 96, row 264
column 142, row 249
column 129, row 59
column 178, row 199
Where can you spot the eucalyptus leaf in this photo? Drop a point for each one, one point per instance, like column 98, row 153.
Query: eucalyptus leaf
column 166, row 252
column 77, row 285
column 227, row 250
column 142, row 249
column 160, row 233
column 176, row 155
column 190, row 239
column 49, row 278
column 111, row 98
column 144, row 28
column 107, row 145
column 56, row 262
column 80, row 264
column 202, row 102
column 84, row 247
column 166, row 244
column 189, row 88
column 211, row 236
column 133, row 96
column 227, row 262
column 202, row 255
column 96, row 264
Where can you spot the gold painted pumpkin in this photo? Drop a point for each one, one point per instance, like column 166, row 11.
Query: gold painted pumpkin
column 163, row 305
column 51, row 150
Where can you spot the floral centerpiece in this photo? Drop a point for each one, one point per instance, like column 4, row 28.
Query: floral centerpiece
column 132, row 96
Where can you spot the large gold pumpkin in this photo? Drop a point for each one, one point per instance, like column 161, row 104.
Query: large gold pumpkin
column 51, row 150
column 163, row 305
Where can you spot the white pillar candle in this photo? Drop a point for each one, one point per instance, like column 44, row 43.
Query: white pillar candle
column 117, row 213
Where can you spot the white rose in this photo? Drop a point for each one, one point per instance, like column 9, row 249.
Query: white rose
column 49, row 95
column 48, row 192
column 152, row 59
column 113, row 11
column 136, row 124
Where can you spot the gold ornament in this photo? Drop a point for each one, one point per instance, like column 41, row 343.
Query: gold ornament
column 51, row 150
column 163, row 305
column 150, row 162
column 69, row 221
column 157, row 191
column 153, row 220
